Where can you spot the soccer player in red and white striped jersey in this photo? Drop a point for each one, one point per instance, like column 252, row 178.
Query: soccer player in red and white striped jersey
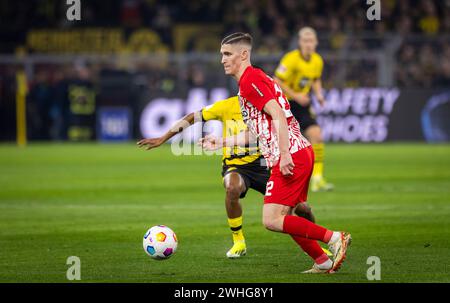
column 267, row 114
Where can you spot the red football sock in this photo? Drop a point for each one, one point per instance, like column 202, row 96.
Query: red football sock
column 299, row 226
column 312, row 248
column 328, row 236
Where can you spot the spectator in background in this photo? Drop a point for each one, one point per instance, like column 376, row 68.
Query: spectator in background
column 79, row 96
column 281, row 33
column 429, row 21
column 446, row 20
column 196, row 76
column 270, row 46
column 267, row 18
column 443, row 80
column 428, row 64
column 406, row 66
column 38, row 109
column 163, row 24
column 130, row 13
column 337, row 37
column 59, row 109
column 404, row 26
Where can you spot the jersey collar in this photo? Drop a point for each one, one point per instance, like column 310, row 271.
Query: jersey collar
column 301, row 56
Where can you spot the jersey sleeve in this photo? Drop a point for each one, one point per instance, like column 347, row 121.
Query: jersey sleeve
column 213, row 111
column 257, row 91
column 284, row 69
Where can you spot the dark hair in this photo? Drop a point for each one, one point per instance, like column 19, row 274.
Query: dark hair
column 238, row 37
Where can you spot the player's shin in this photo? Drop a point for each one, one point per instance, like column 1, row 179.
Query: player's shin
column 236, row 228
column 239, row 247
column 318, row 182
column 312, row 248
column 298, row 226
column 318, row 160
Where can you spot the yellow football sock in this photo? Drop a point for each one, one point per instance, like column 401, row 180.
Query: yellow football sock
column 318, row 160
column 236, row 228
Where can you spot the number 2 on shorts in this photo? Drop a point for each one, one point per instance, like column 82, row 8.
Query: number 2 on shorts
column 269, row 187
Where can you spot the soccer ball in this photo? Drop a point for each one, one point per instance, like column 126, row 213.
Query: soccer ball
column 160, row 242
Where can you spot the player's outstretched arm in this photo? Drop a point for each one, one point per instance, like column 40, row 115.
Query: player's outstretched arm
column 210, row 142
column 177, row 128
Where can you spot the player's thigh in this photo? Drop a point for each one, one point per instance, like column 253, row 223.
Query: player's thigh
column 273, row 215
column 314, row 134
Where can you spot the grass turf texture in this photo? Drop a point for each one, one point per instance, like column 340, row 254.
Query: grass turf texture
column 96, row 202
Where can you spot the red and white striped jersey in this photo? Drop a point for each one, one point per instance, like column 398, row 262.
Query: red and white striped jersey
column 255, row 90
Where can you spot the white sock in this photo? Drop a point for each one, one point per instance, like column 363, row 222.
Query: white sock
column 325, row 265
column 336, row 235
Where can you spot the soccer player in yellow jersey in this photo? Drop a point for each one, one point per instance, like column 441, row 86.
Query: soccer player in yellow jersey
column 298, row 73
column 242, row 167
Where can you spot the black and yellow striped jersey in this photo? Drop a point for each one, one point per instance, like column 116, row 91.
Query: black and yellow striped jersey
column 299, row 73
column 228, row 111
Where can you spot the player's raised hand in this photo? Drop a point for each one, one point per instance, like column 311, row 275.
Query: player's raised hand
column 286, row 164
column 210, row 142
column 150, row 143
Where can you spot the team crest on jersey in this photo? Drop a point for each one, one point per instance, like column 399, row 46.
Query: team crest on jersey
column 304, row 81
column 244, row 111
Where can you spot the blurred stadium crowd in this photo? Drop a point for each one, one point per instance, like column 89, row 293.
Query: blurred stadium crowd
column 422, row 25
column 271, row 19
column 414, row 34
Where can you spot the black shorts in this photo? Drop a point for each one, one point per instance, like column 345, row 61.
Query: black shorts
column 255, row 175
column 304, row 114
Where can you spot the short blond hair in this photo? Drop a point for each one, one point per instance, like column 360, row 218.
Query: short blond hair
column 307, row 30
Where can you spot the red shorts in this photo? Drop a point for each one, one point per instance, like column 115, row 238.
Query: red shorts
column 291, row 190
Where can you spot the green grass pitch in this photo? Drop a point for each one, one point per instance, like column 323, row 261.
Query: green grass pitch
column 96, row 201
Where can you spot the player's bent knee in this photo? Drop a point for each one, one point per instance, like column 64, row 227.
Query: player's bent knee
column 274, row 215
column 314, row 134
column 234, row 185
column 271, row 223
column 233, row 191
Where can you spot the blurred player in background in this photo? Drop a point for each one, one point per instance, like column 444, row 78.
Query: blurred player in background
column 267, row 114
column 298, row 72
column 242, row 167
